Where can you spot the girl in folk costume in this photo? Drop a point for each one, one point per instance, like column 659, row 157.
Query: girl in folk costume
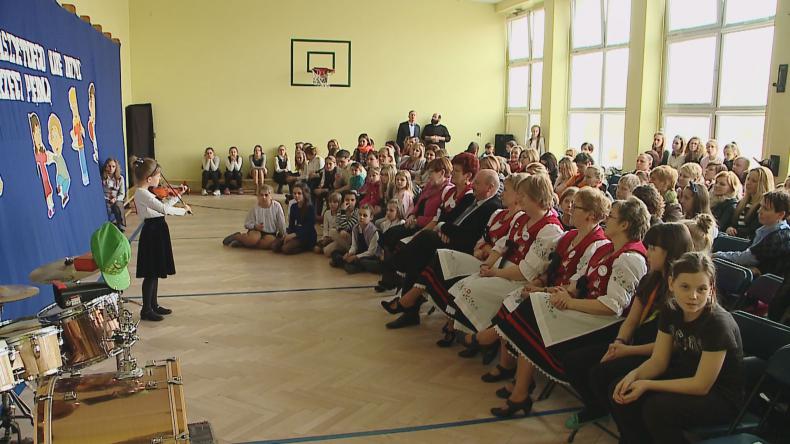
column 154, row 253
column 92, row 120
column 477, row 299
column 606, row 289
column 42, row 158
column 568, row 264
column 78, row 134
column 592, row 370
column 449, row 267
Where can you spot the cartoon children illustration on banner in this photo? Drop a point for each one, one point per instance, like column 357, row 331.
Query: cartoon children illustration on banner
column 78, row 135
column 63, row 179
column 42, row 159
column 92, row 120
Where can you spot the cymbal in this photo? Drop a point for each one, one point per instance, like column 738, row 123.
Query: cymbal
column 59, row 270
column 11, row 293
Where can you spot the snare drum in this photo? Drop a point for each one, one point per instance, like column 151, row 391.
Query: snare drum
column 99, row 408
column 88, row 330
column 37, row 345
column 8, row 376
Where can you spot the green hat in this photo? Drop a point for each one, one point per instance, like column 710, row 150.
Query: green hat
column 111, row 252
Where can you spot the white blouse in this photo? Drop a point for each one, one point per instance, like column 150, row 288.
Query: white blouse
column 627, row 270
column 272, row 218
column 231, row 165
column 148, row 206
column 537, row 260
column 211, row 164
column 581, row 268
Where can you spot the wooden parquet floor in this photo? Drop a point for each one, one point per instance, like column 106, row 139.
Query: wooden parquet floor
column 269, row 351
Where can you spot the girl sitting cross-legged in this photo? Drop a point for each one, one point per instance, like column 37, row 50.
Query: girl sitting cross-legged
column 265, row 223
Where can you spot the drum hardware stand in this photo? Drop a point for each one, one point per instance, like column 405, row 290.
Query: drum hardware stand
column 125, row 338
column 11, row 402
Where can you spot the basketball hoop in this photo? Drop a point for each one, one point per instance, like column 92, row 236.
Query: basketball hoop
column 321, row 76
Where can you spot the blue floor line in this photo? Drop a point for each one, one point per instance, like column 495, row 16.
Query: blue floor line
column 231, row 293
column 410, row 429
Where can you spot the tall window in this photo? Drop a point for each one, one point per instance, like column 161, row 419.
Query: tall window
column 525, row 66
column 716, row 76
column 598, row 77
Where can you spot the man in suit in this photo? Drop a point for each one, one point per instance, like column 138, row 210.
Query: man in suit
column 458, row 230
column 435, row 132
column 409, row 128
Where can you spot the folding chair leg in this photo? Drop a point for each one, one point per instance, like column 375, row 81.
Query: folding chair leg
column 546, row 392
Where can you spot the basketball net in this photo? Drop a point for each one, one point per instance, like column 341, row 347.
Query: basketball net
column 321, row 76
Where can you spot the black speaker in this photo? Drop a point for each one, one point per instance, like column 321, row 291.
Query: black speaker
column 499, row 144
column 140, row 131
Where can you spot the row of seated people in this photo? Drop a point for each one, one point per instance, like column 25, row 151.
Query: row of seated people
column 625, row 313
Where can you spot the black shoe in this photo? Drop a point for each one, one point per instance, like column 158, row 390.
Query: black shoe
column 381, row 287
column 471, row 349
column 504, row 373
column 229, row 239
column 162, row 310
column 449, row 337
column 407, row 319
column 504, row 393
column 513, row 408
column 490, row 352
column 388, row 306
column 150, row 316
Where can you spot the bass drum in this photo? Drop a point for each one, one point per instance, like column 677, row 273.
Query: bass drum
column 99, row 408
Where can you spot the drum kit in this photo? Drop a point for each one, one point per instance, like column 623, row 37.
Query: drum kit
column 48, row 353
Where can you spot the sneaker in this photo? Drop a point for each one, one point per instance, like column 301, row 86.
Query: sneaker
column 241, row 191
column 227, row 191
column 203, row 192
column 216, row 192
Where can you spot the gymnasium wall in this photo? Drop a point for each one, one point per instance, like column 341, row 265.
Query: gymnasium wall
column 218, row 73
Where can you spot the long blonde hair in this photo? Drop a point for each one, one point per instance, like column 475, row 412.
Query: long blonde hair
column 765, row 183
column 567, row 168
column 409, row 187
column 387, row 171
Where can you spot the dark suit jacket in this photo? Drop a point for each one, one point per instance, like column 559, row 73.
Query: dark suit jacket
column 463, row 237
column 403, row 132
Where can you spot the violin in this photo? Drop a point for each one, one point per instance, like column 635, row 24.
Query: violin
column 162, row 192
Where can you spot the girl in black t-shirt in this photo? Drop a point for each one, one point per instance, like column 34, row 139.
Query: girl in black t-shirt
column 693, row 376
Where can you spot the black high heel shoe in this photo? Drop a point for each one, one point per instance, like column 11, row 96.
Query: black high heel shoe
column 471, row 349
column 448, row 339
column 513, row 408
column 504, row 373
column 504, row 393
column 398, row 307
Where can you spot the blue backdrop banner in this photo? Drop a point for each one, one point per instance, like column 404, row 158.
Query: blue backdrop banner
column 60, row 119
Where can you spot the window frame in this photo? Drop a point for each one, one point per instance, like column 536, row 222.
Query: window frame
column 525, row 111
column 603, row 48
column 713, row 109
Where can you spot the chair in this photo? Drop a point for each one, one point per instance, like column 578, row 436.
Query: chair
column 732, row 280
column 763, row 289
column 761, row 339
column 741, row 438
column 724, row 242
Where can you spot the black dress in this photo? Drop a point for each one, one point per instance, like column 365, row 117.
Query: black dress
column 155, row 253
